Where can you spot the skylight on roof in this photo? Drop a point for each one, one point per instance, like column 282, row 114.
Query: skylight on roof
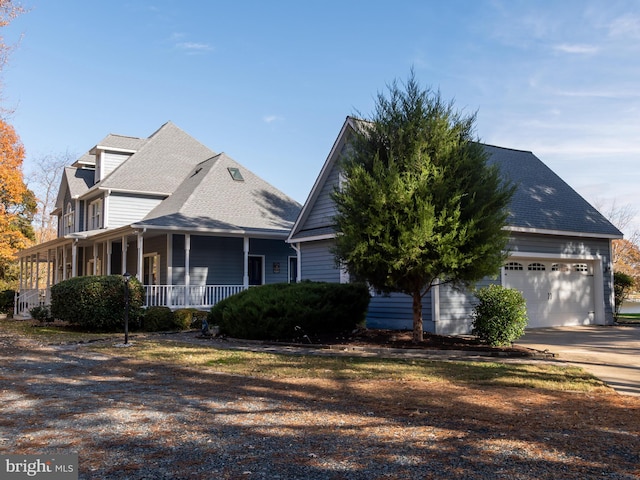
column 235, row 174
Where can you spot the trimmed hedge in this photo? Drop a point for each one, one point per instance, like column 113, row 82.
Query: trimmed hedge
column 96, row 303
column 500, row 317
column 157, row 319
column 162, row 319
column 285, row 310
column 6, row 301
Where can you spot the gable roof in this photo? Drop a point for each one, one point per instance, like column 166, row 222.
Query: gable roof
column 542, row 200
column 542, row 203
column 76, row 181
column 160, row 163
column 209, row 199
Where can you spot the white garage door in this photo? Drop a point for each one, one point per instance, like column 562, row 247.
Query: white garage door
column 557, row 294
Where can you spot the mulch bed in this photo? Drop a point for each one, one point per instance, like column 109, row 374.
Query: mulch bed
column 132, row 419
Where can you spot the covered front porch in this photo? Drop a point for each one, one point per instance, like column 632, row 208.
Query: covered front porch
column 177, row 270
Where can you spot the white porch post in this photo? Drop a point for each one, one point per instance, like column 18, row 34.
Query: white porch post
column 74, row 259
column 187, row 267
column 245, row 277
column 170, row 259
column 48, row 269
column 21, row 276
column 37, row 271
column 95, row 259
column 124, row 254
column 64, row 262
column 109, row 247
column 140, row 272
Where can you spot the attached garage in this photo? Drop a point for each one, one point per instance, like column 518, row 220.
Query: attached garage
column 559, row 250
column 558, row 292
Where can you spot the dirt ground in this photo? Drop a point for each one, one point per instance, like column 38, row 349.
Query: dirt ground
column 132, row 419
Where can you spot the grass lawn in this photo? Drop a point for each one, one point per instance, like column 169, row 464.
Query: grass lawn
column 539, row 375
column 629, row 318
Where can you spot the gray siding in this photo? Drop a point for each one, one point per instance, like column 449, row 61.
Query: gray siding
column 323, row 210
column 318, row 262
column 455, row 308
column 276, row 258
column 111, row 161
column 220, row 260
column 126, row 209
column 395, row 312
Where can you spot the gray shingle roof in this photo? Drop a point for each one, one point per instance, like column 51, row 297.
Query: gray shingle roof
column 210, row 199
column 543, row 200
column 161, row 163
column 122, row 142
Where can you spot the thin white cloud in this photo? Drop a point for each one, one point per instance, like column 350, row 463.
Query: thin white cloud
column 626, row 26
column 271, row 118
column 578, row 49
column 194, row 47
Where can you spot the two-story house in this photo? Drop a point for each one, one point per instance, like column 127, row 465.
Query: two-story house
column 192, row 225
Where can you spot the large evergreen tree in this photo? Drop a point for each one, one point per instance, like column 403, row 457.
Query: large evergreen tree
column 420, row 204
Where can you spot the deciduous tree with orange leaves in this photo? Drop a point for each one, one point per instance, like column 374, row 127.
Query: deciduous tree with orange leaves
column 17, row 203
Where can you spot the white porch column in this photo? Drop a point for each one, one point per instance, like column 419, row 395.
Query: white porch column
column 124, row 255
column 95, row 259
column 74, row 259
column 140, row 258
column 48, row 269
column 64, row 262
column 245, row 277
column 37, row 271
column 109, row 248
column 187, row 267
column 21, row 275
column 170, row 259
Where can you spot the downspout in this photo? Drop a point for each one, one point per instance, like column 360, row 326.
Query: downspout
column 296, row 248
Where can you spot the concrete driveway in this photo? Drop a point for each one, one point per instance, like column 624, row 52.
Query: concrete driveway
column 611, row 353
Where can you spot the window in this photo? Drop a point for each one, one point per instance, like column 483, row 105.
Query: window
column 68, row 220
column 536, row 267
column 235, row 174
column 513, row 266
column 95, row 215
column 560, row 267
column 581, row 268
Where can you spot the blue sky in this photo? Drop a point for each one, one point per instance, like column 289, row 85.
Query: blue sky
column 270, row 83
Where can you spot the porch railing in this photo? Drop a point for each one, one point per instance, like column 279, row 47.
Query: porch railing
column 196, row 296
column 29, row 298
column 172, row 296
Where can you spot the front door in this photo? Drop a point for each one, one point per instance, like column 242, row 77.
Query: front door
column 256, row 270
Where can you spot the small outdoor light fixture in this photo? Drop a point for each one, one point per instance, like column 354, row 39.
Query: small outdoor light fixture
column 127, row 277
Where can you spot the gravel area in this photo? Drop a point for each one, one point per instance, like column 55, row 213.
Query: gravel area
column 131, row 419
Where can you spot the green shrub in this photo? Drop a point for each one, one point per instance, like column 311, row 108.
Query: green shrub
column 622, row 285
column 6, row 301
column 187, row 318
column 283, row 310
column 500, row 316
column 96, row 303
column 158, row 319
column 42, row 313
